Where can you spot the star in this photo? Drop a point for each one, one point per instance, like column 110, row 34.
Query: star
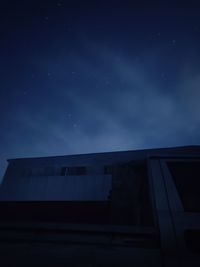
column 172, row 42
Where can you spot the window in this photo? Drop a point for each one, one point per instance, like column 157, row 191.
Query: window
column 192, row 238
column 130, row 196
column 186, row 176
column 81, row 170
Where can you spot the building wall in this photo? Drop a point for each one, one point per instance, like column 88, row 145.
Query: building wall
column 137, row 219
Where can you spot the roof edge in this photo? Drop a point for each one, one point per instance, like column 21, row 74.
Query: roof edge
column 108, row 152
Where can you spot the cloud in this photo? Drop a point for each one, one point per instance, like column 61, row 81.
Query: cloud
column 190, row 95
column 113, row 104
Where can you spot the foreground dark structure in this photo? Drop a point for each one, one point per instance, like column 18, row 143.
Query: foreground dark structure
column 132, row 208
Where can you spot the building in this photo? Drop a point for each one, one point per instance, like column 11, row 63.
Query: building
column 131, row 208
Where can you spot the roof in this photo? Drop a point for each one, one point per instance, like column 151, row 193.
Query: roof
column 146, row 151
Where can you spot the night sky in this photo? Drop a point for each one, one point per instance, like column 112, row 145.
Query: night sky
column 94, row 76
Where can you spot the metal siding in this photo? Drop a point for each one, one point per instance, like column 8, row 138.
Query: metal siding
column 57, row 188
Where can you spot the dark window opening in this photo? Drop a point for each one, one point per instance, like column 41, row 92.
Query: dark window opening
column 186, row 176
column 81, row 170
column 192, row 239
column 130, row 198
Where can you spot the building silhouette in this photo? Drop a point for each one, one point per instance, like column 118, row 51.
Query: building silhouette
column 127, row 208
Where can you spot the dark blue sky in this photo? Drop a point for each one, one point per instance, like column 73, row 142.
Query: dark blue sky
column 92, row 76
